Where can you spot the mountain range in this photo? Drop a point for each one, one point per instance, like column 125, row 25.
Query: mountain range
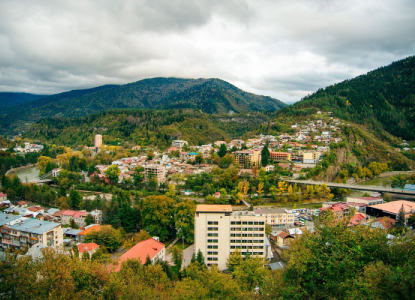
column 213, row 96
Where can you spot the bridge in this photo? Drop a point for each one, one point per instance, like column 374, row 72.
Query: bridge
column 44, row 178
column 372, row 188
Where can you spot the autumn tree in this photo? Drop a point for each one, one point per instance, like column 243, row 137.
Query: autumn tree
column 113, row 173
column 184, row 220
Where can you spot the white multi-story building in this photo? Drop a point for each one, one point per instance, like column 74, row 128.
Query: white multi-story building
column 178, row 143
column 276, row 217
column 98, row 141
column 219, row 232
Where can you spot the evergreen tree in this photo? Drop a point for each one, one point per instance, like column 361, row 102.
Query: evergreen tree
column 401, row 217
column 148, row 261
column 200, row 259
column 222, row 150
column 265, row 155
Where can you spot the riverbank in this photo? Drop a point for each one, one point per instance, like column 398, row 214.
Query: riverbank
column 14, row 170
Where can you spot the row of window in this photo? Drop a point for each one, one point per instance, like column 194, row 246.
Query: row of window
column 246, row 223
column 212, row 246
column 212, row 241
column 247, row 241
column 212, row 253
column 247, row 235
column 213, row 223
column 247, row 229
column 212, row 228
column 247, row 247
column 213, row 234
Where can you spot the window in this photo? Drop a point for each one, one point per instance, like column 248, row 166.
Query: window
column 212, row 228
column 259, row 223
column 212, row 241
column 235, row 229
column 235, row 241
column 235, row 235
column 212, row 247
column 235, row 223
column 212, row 259
column 212, row 253
column 213, row 223
column 213, row 234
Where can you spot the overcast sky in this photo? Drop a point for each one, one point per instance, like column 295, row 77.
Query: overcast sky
column 283, row 48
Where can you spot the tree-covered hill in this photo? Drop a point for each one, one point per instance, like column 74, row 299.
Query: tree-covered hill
column 144, row 127
column 11, row 99
column 207, row 95
column 383, row 98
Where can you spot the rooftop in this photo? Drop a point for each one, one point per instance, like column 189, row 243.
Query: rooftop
column 213, row 208
column 394, row 207
column 34, row 226
column 150, row 247
column 87, row 247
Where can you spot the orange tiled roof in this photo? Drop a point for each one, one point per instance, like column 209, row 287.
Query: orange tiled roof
column 87, row 247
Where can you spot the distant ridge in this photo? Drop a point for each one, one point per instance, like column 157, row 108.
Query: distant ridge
column 208, row 95
column 10, row 99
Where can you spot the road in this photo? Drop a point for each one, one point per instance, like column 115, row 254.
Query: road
column 356, row 187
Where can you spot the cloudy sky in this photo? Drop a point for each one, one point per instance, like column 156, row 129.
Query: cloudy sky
column 282, row 48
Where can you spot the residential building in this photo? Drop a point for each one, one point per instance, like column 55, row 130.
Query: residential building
column 284, row 239
column 90, row 248
column 219, row 231
column 151, row 248
column 77, row 216
column 98, row 141
column 279, row 156
column 311, row 157
column 3, row 197
column 247, row 159
column 383, row 223
column 156, row 171
column 178, row 143
column 276, row 217
column 25, row 232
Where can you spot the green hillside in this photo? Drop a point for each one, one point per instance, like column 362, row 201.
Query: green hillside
column 383, row 98
column 10, row 99
column 144, row 127
column 207, row 95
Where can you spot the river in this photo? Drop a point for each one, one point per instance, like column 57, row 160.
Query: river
column 26, row 174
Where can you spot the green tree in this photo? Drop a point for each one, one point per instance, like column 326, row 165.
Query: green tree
column 234, row 260
column 250, row 272
column 222, row 150
column 107, row 236
column 89, row 219
column 135, row 239
column 113, row 173
column 74, row 199
column 158, row 216
column 177, row 254
column 184, row 220
column 265, row 155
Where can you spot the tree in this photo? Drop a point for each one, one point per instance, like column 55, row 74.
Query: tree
column 148, row 261
column 89, row 219
column 107, row 236
column 184, row 220
column 75, row 199
column 222, row 150
column 113, row 173
column 64, row 205
column 158, row 216
column 177, row 254
column 234, row 260
column 401, row 218
column 250, row 272
column 265, row 155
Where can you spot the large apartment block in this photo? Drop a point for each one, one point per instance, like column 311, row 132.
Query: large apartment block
column 247, row 159
column 219, row 231
column 158, row 171
column 23, row 232
column 276, row 217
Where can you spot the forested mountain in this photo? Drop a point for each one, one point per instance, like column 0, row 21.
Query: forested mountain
column 207, row 95
column 383, row 98
column 10, row 99
column 144, row 127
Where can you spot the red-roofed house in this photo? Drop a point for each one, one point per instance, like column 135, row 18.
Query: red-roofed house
column 383, row 223
column 91, row 248
column 37, row 209
column 356, row 219
column 22, row 203
column 150, row 247
column 3, row 197
column 284, row 239
column 77, row 216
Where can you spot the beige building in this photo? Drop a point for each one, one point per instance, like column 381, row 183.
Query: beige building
column 311, row 157
column 276, row 217
column 365, row 200
column 219, row 232
column 158, row 171
column 98, row 141
column 22, row 233
column 247, row 159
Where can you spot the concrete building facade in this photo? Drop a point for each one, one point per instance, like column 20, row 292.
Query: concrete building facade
column 247, row 159
column 158, row 171
column 219, row 231
column 98, row 141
